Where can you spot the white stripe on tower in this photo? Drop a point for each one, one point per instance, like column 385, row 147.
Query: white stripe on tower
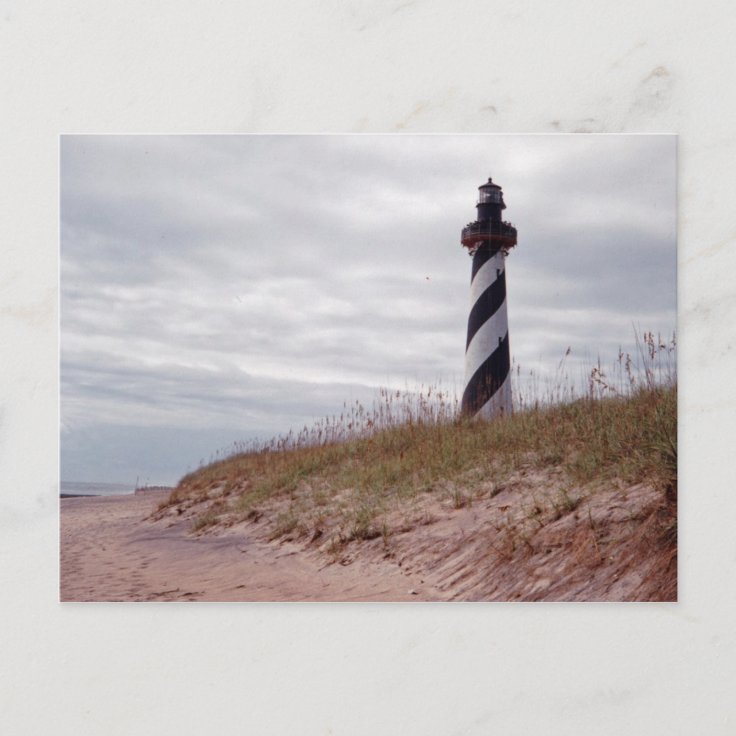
column 485, row 276
column 487, row 357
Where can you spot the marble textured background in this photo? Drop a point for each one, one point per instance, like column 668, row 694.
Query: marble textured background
column 390, row 66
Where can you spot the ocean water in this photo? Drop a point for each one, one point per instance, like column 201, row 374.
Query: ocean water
column 96, row 489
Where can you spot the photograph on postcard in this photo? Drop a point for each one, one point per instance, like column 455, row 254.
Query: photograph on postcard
column 368, row 368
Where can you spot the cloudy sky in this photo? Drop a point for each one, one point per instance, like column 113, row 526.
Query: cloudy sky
column 217, row 288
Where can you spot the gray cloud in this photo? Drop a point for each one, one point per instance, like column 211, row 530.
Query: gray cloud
column 246, row 284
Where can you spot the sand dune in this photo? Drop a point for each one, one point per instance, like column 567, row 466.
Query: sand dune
column 509, row 547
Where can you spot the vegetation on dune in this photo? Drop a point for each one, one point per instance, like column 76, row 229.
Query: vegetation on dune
column 357, row 468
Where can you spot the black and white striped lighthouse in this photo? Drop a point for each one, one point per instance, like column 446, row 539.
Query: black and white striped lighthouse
column 487, row 357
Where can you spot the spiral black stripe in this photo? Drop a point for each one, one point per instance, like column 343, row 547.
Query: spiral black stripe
column 481, row 257
column 488, row 378
column 486, row 305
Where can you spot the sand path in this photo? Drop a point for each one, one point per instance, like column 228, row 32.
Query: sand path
column 110, row 551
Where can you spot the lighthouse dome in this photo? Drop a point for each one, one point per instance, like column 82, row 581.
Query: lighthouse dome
column 490, row 193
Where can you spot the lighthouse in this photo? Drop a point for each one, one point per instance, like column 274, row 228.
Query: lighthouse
column 488, row 239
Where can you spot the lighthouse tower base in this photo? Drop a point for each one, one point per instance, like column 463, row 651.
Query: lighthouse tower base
column 487, row 391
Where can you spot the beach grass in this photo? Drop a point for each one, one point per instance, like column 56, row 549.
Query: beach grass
column 368, row 461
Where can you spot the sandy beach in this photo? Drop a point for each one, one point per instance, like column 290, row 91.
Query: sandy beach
column 111, row 551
